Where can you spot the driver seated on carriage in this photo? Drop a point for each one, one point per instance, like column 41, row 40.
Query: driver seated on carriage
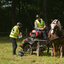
column 40, row 26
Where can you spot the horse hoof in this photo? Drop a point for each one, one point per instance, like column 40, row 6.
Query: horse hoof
column 60, row 57
column 52, row 54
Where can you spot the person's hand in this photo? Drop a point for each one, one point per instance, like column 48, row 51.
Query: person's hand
column 19, row 34
column 41, row 29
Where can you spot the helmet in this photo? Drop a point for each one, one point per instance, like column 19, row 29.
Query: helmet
column 37, row 16
column 19, row 24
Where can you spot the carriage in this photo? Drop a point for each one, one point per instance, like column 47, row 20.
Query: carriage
column 34, row 43
column 55, row 39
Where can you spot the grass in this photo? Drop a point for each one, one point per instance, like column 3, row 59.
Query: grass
column 6, row 56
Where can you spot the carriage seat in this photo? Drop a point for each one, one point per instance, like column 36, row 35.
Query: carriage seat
column 36, row 34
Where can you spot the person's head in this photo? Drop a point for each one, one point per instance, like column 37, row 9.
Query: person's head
column 19, row 25
column 38, row 17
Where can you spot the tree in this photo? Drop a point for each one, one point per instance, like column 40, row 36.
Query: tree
column 43, row 10
column 13, row 12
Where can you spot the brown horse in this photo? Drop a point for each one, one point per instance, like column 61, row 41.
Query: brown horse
column 55, row 36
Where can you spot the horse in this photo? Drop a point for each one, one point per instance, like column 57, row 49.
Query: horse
column 55, row 37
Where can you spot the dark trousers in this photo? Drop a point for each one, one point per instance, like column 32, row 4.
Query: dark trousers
column 14, row 45
column 44, row 33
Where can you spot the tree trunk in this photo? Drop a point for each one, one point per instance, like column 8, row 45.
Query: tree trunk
column 43, row 11
column 19, row 9
column 13, row 12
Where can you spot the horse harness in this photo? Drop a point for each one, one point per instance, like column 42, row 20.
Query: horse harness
column 55, row 28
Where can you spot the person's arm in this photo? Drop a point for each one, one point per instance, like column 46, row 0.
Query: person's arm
column 20, row 34
column 16, row 30
column 44, row 24
column 36, row 26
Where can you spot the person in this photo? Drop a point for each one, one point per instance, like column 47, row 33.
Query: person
column 14, row 36
column 40, row 26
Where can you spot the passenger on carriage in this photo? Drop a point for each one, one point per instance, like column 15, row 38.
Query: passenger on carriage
column 40, row 26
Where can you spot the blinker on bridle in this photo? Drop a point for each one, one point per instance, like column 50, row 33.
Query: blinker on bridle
column 55, row 27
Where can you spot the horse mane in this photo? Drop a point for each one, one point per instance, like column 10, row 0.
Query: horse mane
column 59, row 25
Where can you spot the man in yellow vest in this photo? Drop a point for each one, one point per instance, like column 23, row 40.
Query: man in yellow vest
column 14, row 36
column 40, row 25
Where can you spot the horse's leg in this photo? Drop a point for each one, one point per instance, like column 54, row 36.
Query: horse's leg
column 52, row 52
column 54, row 49
column 61, row 52
column 48, row 50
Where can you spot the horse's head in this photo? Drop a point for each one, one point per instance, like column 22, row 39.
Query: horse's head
column 55, row 26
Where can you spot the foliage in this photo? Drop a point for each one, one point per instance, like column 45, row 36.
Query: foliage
column 55, row 10
column 25, row 11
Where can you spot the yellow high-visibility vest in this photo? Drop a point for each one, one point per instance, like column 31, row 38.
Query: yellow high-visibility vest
column 40, row 25
column 14, row 32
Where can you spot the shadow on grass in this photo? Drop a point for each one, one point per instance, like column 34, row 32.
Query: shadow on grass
column 43, row 54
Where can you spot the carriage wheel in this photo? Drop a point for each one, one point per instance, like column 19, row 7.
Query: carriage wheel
column 28, row 49
column 38, row 49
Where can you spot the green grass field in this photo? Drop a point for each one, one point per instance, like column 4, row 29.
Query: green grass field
column 6, row 56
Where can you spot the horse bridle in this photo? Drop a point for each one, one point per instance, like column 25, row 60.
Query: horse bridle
column 54, row 28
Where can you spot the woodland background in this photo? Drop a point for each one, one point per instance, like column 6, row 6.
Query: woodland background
column 24, row 11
